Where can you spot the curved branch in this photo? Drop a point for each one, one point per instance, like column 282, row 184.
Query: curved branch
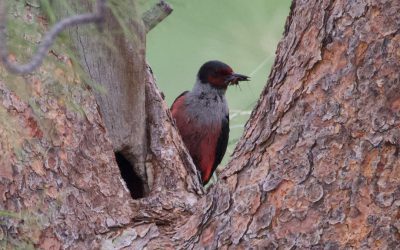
column 156, row 14
column 48, row 40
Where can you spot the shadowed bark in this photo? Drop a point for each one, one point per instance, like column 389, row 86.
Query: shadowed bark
column 317, row 166
column 116, row 61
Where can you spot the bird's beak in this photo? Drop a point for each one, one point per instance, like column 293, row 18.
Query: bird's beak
column 236, row 78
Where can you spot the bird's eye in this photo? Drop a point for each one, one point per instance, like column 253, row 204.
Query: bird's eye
column 217, row 73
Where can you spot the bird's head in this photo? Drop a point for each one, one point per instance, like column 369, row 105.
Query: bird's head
column 219, row 75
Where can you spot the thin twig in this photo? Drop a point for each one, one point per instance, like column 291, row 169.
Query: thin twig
column 156, row 14
column 48, row 40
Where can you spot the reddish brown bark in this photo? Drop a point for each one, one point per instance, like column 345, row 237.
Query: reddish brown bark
column 318, row 161
column 317, row 166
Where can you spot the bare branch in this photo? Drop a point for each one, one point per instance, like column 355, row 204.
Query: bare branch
column 156, row 14
column 48, row 40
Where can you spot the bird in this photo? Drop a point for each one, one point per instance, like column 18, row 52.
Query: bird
column 202, row 116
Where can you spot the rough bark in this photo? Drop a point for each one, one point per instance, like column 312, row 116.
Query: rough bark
column 116, row 62
column 57, row 168
column 317, row 166
column 59, row 184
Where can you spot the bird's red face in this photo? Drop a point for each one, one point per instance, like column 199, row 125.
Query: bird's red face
column 219, row 75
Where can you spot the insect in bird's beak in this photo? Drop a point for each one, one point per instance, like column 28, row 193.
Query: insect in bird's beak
column 234, row 79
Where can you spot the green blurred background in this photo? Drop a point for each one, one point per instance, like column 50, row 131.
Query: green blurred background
column 243, row 34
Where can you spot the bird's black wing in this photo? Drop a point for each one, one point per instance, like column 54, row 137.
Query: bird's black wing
column 222, row 143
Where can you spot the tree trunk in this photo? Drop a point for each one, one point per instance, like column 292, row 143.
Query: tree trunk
column 317, row 166
column 116, row 62
column 318, row 163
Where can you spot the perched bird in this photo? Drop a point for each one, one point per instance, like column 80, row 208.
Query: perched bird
column 202, row 116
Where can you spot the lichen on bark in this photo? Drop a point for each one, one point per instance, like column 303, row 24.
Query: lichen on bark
column 317, row 165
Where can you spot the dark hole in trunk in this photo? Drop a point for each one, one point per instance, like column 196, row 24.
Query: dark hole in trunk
column 132, row 180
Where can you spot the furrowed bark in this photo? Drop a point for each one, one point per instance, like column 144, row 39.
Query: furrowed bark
column 317, row 166
column 116, row 62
